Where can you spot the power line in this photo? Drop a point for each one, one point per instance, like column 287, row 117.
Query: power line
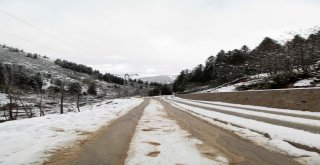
column 29, row 41
column 44, row 31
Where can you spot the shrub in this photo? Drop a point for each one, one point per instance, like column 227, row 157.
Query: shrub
column 92, row 88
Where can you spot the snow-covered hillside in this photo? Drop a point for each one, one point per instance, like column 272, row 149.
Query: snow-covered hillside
column 47, row 66
column 28, row 73
column 252, row 82
column 162, row 79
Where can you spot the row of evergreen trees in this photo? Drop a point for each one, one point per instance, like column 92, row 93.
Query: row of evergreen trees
column 88, row 70
column 104, row 77
column 17, row 75
column 296, row 55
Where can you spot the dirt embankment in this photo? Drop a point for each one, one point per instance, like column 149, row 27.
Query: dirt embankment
column 300, row 99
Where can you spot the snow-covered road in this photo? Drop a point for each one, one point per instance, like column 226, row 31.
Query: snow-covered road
column 295, row 133
column 159, row 140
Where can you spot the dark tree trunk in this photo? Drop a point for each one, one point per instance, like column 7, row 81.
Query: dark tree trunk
column 61, row 99
column 78, row 100
column 40, row 105
column 10, row 106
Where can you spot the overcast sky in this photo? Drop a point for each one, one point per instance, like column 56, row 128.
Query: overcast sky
column 149, row 37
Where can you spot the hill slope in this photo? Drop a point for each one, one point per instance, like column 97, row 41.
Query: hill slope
column 33, row 82
column 162, row 79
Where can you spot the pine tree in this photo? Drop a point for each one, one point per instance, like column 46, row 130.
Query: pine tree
column 209, row 69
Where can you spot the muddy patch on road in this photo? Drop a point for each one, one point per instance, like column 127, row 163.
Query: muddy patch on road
column 153, row 154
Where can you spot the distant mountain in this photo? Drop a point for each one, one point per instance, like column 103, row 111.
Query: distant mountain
column 162, row 79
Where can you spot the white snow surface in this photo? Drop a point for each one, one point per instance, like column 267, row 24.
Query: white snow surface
column 30, row 141
column 253, row 130
column 157, row 132
column 257, row 76
column 229, row 88
column 303, row 83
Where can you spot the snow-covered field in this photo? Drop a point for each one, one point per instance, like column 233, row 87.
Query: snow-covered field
column 255, row 130
column 159, row 140
column 30, row 141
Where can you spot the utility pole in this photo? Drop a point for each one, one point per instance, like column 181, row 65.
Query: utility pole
column 126, row 78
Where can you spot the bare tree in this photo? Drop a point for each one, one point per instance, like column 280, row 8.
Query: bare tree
column 40, row 103
column 10, row 104
column 62, row 92
column 75, row 89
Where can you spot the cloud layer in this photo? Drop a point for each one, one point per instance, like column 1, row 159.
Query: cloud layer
column 149, row 37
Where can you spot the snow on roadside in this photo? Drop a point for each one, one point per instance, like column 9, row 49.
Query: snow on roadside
column 278, row 134
column 159, row 140
column 267, row 109
column 30, row 141
column 259, row 114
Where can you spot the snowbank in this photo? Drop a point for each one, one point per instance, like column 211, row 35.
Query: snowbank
column 30, row 141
